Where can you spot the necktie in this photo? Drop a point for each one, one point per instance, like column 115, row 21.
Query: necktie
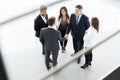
column 77, row 20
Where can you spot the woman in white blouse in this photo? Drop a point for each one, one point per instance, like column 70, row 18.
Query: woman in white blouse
column 89, row 40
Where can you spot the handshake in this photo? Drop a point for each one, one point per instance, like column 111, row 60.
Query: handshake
column 66, row 36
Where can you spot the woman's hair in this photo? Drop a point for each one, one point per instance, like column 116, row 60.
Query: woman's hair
column 60, row 16
column 95, row 23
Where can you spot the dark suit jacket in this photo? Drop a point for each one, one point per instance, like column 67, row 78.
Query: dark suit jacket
column 50, row 37
column 78, row 31
column 39, row 23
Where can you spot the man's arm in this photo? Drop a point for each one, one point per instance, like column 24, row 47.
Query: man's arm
column 36, row 24
column 69, row 27
column 87, row 24
column 41, row 37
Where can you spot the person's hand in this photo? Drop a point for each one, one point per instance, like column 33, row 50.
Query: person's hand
column 66, row 36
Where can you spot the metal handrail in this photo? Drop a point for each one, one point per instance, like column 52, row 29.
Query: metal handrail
column 76, row 56
column 29, row 12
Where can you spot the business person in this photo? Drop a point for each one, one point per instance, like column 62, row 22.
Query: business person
column 79, row 23
column 62, row 24
column 90, row 39
column 41, row 21
column 50, row 38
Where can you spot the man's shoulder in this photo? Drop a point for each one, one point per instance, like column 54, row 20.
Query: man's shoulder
column 38, row 17
column 43, row 29
column 56, row 31
column 73, row 14
column 84, row 16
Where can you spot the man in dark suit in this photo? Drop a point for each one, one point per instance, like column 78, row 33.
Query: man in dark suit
column 50, row 37
column 41, row 21
column 79, row 23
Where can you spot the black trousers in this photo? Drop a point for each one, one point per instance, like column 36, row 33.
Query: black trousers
column 88, row 57
column 77, row 45
column 43, row 50
column 54, row 58
column 63, row 43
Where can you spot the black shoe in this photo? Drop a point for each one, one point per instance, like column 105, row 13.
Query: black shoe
column 78, row 61
column 86, row 65
column 43, row 53
column 72, row 54
column 89, row 63
column 51, row 60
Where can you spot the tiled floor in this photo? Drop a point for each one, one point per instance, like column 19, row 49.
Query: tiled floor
column 21, row 50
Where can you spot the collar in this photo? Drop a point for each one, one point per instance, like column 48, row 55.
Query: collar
column 42, row 15
column 53, row 27
column 79, row 15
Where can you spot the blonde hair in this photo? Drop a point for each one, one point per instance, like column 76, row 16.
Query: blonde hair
column 43, row 7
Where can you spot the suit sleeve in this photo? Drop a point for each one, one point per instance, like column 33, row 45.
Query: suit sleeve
column 69, row 26
column 36, row 25
column 41, row 37
column 87, row 24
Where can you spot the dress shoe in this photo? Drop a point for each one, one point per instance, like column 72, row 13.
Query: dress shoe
column 72, row 54
column 86, row 65
column 43, row 53
column 78, row 61
column 50, row 60
column 63, row 50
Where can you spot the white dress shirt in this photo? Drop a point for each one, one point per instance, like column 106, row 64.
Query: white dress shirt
column 79, row 17
column 53, row 27
column 90, row 37
column 44, row 19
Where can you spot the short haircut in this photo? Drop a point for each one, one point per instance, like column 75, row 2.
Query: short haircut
column 51, row 21
column 43, row 8
column 79, row 6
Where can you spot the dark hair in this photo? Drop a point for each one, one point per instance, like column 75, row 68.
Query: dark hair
column 60, row 15
column 43, row 7
column 95, row 23
column 79, row 6
column 51, row 21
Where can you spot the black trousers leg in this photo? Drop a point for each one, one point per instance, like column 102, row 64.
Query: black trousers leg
column 75, row 45
column 88, row 57
column 61, row 43
column 65, row 43
column 55, row 56
column 43, row 50
column 80, row 47
column 47, row 59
